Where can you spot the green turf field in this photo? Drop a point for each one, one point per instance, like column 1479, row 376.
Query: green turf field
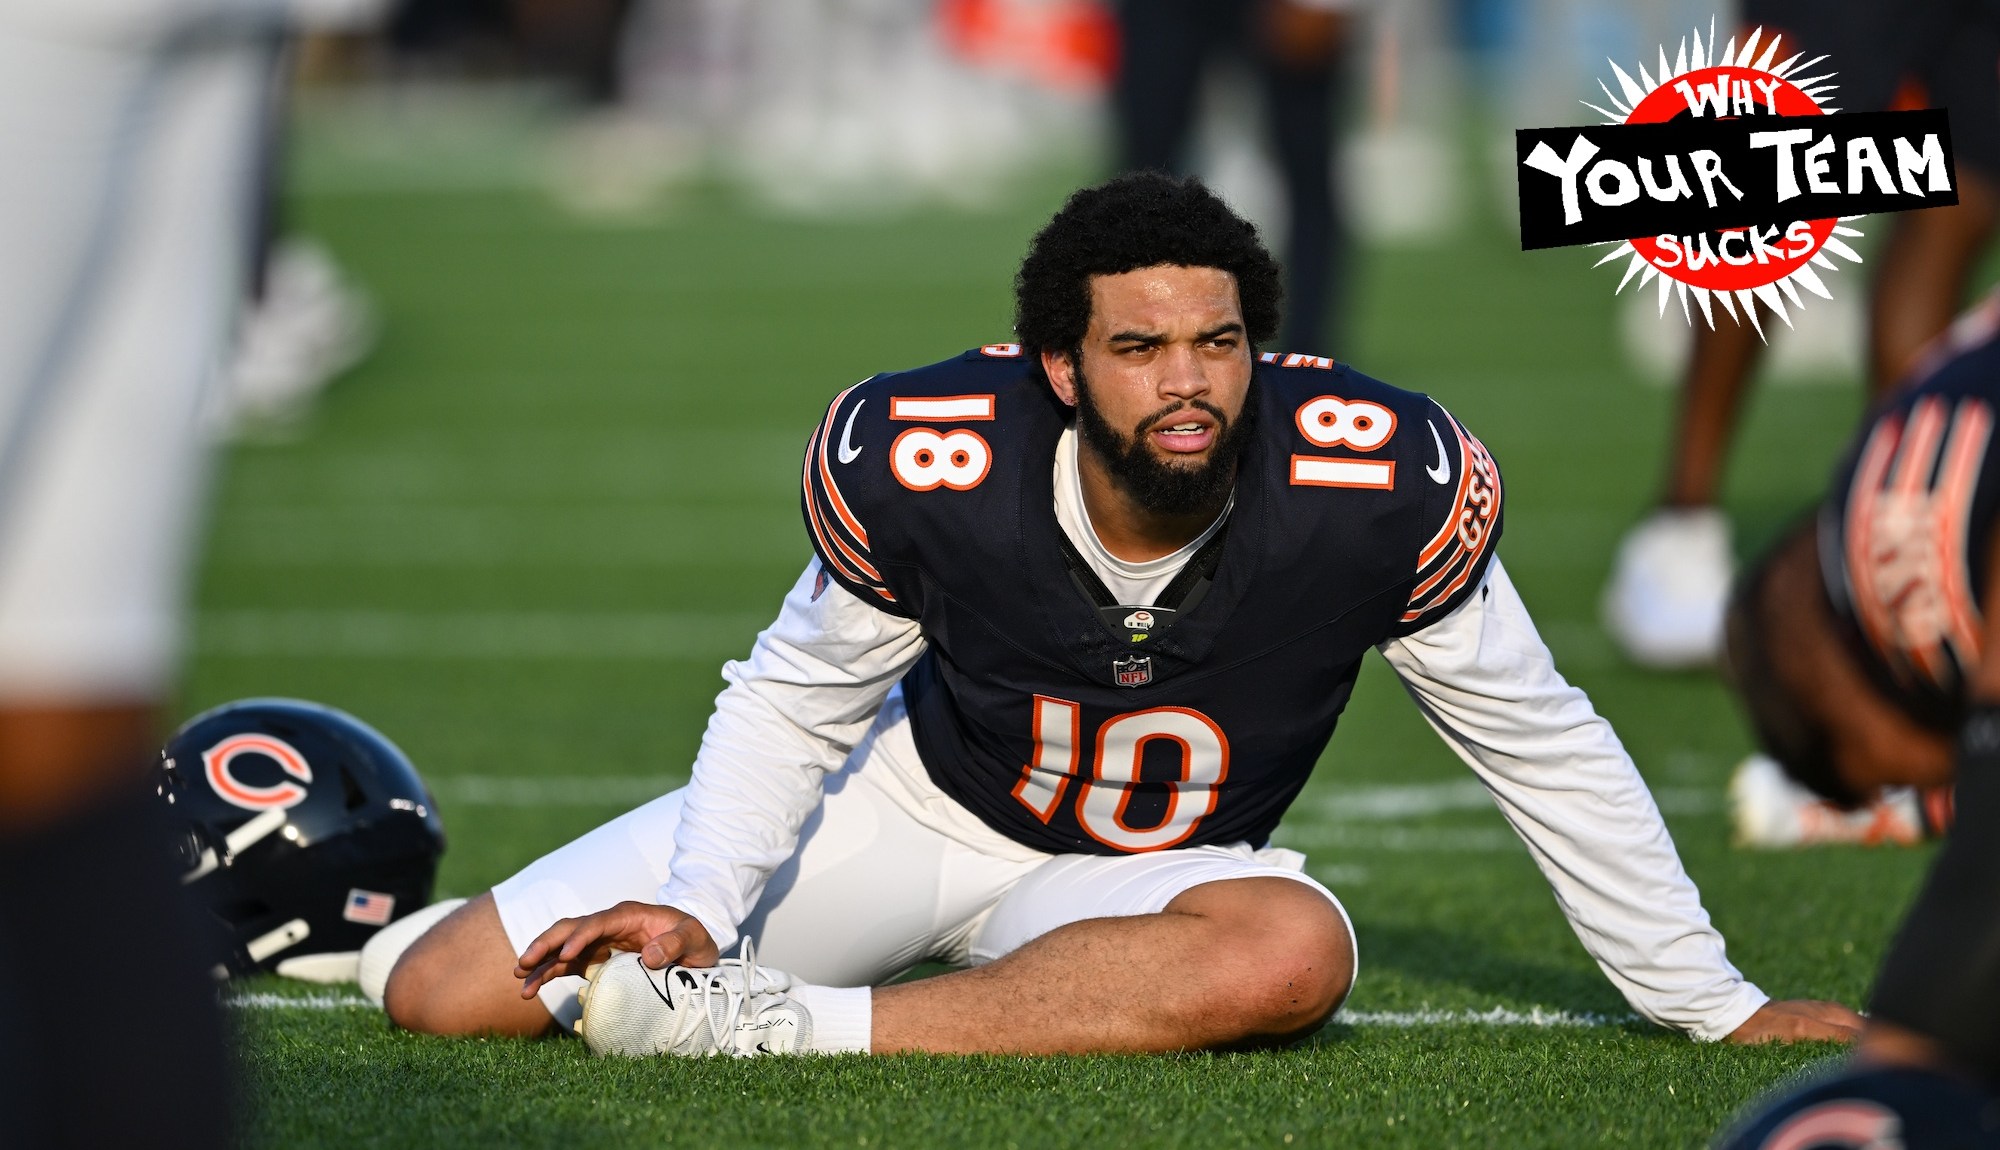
column 522, row 538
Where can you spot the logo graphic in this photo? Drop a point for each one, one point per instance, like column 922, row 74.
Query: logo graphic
column 370, row 908
column 1726, row 179
column 1843, row 1124
column 1139, row 621
column 849, row 453
column 219, row 762
column 1134, row 672
column 819, row 583
column 1442, row 472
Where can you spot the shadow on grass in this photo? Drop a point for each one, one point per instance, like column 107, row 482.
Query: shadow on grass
column 1489, row 971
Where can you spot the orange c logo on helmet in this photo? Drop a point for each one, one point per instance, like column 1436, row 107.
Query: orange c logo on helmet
column 218, row 759
column 1846, row 1123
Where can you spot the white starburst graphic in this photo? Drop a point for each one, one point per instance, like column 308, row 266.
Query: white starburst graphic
column 1692, row 61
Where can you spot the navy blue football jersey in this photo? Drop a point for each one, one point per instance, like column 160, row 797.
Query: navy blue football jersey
column 1905, row 528
column 1361, row 513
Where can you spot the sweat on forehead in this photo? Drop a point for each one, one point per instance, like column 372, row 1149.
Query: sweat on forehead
column 1138, row 221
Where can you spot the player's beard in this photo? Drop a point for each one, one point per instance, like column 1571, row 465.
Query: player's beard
column 1159, row 486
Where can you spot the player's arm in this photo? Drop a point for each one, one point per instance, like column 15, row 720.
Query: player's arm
column 792, row 711
column 1485, row 681
column 1937, row 999
column 1487, row 684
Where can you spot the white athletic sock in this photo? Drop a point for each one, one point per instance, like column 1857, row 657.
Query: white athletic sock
column 842, row 1017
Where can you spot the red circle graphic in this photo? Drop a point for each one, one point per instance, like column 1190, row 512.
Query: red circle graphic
column 1731, row 265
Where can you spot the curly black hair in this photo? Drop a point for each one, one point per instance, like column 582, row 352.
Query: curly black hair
column 1140, row 220
column 1764, row 612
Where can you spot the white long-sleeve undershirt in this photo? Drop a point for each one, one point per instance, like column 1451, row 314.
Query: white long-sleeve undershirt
column 792, row 712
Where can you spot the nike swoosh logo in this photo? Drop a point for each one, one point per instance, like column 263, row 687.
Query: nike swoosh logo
column 664, row 996
column 848, row 453
column 1442, row 472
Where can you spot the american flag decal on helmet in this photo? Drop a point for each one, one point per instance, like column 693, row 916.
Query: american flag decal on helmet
column 370, row 908
column 1458, row 549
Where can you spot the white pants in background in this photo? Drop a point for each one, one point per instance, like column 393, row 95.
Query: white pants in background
column 126, row 175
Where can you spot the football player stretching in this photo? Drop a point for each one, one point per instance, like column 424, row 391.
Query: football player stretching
column 1084, row 610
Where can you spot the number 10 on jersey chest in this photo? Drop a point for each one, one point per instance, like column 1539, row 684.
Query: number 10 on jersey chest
column 1103, row 794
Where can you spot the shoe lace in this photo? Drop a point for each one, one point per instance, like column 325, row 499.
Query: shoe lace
column 715, row 986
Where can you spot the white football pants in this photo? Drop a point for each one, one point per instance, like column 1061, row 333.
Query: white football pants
column 871, row 891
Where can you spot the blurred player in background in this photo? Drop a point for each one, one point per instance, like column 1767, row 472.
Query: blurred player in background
column 1868, row 652
column 1664, row 602
column 1859, row 642
column 303, row 322
column 1170, row 46
column 128, row 131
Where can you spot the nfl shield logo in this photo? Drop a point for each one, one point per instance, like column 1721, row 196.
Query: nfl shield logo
column 1134, row 672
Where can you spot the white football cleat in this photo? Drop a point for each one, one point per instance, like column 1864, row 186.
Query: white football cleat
column 1767, row 808
column 1669, row 589
column 312, row 324
column 734, row 1007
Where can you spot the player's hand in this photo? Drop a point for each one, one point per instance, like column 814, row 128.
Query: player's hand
column 1799, row 1020
column 660, row 934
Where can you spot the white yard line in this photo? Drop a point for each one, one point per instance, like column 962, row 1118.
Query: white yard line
column 480, row 635
column 1387, row 803
column 1395, row 801
column 1344, row 804
column 1372, row 819
column 1535, row 1016
column 489, row 536
column 268, row 1001
column 1309, row 838
column 1338, row 875
column 581, row 791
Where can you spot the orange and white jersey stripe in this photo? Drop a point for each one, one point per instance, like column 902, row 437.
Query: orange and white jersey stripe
column 838, row 535
column 1457, row 552
column 1906, row 534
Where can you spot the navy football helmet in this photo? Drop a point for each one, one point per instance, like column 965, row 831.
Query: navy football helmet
column 303, row 831
column 1873, row 1108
